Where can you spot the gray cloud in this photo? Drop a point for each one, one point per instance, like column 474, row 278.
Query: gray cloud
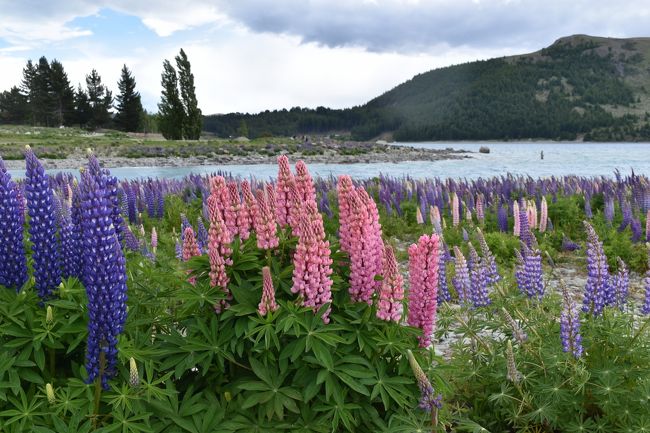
column 402, row 25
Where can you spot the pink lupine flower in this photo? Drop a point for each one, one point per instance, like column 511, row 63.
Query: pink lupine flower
column 418, row 216
column 304, row 183
column 219, row 196
column 219, row 251
column 270, row 199
column 434, row 216
column 312, row 265
column 423, row 282
column 295, row 209
column 391, row 293
column 282, row 191
column 154, row 240
column 366, row 247
column 515, row 212
column 190, row 246
column 531, row 210
column 267, row 304
column 249, row 203
column 232, row 209
column 265, row 225
column 455, row 211
column 346, row 191
column 468, row 213
column 543, row 221
column 480, row 212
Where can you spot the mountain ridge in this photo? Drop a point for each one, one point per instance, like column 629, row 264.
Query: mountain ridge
column 579, row 86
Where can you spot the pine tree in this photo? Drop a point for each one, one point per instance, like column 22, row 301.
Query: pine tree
column 83, row 110
column 192, row 123
column 62, row 95
column 27, row 89
column 100, row 99
column 242, row 130
column 41, row 97
column 170, row 108
column 13, row 106
column 129, row 106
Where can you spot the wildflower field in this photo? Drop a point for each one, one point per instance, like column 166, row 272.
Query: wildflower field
column 215, row 304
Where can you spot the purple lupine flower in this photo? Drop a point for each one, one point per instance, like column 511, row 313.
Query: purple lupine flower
column 645, row 309
column 461, row 280
column 70, row 247
column 570, row 326
column 202, row 236
column 105, row 279
column 160, row 202
column 150, row 201
column 598, row 279
column 185, row 223
column 478, row 279
column 13, row 265
column 502, row 219
column 528, row 272
column 178, row 250
column 619, row 287
column 428, row 398
column 524, row 228
column 131, row 203
column 627, row 216
column 114, row 198
column 569, row 245
column 489, row 259
column 637, row 230
column 130, row 241
column 443, row 286
column 465, row 235
column 588, row 213
column 42, row 227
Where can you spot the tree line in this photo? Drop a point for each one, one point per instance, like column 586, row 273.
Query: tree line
column 45, row 97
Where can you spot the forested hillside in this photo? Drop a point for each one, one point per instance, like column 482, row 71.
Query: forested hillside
column 579, row 87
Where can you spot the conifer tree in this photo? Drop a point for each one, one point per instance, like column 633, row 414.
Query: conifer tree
column 62, row 95
column 129, row 106
column 170, row 108
column 100, row 99
column 83, row 110
column 192, row 122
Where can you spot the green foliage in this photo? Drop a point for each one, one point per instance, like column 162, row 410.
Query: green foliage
column 129, row 107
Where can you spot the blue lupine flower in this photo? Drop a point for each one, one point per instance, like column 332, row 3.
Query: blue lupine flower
column 70, row 244
column 570, row 327
column 202, row 236
column 42, row 227
column 13, row 265
column 598, row 279
column 528, row 272
column 443, row 286
column 478, row 278
column 104, row 277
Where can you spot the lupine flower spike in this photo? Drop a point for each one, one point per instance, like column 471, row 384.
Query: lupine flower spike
column 389, row 306
column 429, row 401
column 570, row 325
column 423, row 282
column 13, row 266
column 267, row 304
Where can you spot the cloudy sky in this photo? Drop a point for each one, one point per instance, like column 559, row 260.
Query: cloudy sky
column 251, row 55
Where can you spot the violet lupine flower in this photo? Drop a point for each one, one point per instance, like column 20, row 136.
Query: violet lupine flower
column 465, row 235
column 104, row 271
column 13, row 266
column 312, row 262
column 429, row 401
column 265, row 225
column 423, row 285
column 598, row 279
column 502, row 219
column 635, row 226
column 282, row 191
column 131, row 203
column 647, row 226
column 443, row 286
column 201, row 235
column 455, row 210
column 528, row 272
column 478, row 279
column 346, row 192
column 178, row 248
column 489, row 259
column 461, row 280
column 513, row 375
column 588, row 213
column 133, row 244
column 160, row 202
column 480, row 212
column 525, row 234
column 42, row 227
column 366, row 247
column 645, row 309
column 569, row 245
column 219, row 252
column 391, row 293
column 267, row 304
column 543, row 221
column 620, row 286
column 627, row 216
column 570, row 326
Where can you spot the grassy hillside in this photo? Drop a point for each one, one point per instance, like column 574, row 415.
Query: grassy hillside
column 581, row 86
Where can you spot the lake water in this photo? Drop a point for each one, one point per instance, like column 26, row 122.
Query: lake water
column 584, row 159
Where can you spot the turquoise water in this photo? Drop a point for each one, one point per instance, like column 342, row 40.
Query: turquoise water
column 584, row 159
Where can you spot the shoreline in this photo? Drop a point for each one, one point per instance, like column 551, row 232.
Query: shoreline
column 395, row 154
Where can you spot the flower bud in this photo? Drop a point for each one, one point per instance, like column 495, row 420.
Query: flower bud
column 49, row 316
column 134, row 376
column 49, row 392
